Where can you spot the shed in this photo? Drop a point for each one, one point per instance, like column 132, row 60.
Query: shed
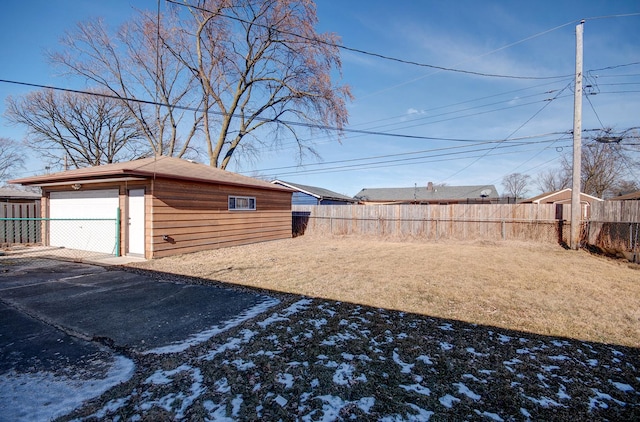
column 312, row 195
column 563, row 196
column 430, row 194
column 168, row 206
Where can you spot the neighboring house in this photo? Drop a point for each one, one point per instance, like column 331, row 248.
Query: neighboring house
column 311, row 195
column 633, row 196
column 17, row 204
column 430, row 194
column 167, row 206
column 18, row 196
column 563, row 196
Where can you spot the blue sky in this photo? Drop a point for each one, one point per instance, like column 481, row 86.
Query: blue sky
column 450, row 112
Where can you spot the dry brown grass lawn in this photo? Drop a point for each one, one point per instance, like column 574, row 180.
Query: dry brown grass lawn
column 535, row 288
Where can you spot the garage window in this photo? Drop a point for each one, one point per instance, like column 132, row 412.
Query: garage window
column 242, row 203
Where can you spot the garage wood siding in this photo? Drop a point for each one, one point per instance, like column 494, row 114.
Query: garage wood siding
column 195, row 217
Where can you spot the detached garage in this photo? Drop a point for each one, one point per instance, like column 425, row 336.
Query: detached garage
column 161, row 206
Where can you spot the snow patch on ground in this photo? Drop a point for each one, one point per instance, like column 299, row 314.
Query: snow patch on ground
column 463, row 389
column 622, row 386
column 43, row 396
column 351, row 356
column 406, row 367
column 417, row 388
column 448, row 401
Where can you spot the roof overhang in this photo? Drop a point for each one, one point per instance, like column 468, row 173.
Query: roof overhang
column 87, row 181
column 149, row 168
column 295, row 188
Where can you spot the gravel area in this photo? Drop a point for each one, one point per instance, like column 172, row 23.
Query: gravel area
column 322, row 360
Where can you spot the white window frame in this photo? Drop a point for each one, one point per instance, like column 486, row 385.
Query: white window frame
column 241, row 203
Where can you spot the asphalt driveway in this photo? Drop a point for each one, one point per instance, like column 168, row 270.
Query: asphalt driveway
column 69, row 330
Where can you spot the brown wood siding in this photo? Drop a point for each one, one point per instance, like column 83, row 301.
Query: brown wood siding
column 195, row 217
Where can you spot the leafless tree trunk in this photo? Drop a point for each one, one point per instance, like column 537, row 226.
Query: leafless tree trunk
column 89, row 130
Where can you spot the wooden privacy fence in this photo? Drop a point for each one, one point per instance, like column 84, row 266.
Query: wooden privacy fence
column 614, row 227
column 16, row 224
column 540, row 222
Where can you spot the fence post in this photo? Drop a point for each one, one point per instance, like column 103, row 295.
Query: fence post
column 504, row 230
column 117, row 232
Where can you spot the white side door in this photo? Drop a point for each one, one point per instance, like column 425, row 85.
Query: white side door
column 135, row 228
column 73, row 217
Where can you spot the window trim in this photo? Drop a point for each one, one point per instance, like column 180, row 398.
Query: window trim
column 251, row 200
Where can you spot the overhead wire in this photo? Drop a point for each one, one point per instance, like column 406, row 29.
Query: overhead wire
column 386, row 57
column 623, row 157
column 518, row 141
column 406, row 124
column 370, row 132
column 512, row 133
column 416, row 161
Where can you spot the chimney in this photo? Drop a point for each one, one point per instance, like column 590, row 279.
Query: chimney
column 430, row 186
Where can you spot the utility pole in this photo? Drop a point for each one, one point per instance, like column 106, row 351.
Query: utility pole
column 576, row 208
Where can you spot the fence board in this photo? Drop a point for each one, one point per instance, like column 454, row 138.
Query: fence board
column 614, row 227
column 13, row 229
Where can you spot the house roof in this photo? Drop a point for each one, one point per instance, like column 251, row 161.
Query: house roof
column 425, row 193
column 629, row 196
column 8, row 193
column 314, row 191
column 165, row 167
column 548, row 195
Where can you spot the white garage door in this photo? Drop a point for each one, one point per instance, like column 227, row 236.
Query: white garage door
column 73, row 223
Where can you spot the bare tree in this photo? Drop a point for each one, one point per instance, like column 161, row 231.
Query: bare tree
column 11, row 158
column 515, row 184
column 88, row 130
column 553, row 180
column 261, row 63
column 133, row 64
column 250, row 71
column 624, row 187
column 603, row 167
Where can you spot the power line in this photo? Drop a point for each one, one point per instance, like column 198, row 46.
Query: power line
column 476, row 143
column 292, row 123
column 463, row 102
column 386, row 57
column 147, row 102
column 512, row 133
column 396, row 163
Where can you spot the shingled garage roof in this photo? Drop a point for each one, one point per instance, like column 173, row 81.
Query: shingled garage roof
column 317, row 192
column 165, row 167
column 423, row 193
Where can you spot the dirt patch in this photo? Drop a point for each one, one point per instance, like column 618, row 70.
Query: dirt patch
column 536, row 288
